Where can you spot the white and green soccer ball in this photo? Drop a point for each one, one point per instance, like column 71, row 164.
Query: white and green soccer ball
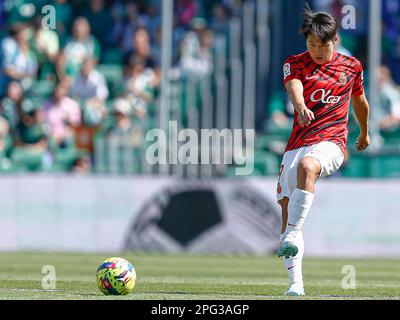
column 116, row 276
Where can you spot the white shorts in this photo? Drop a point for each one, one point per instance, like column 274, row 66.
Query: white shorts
column 329, row 155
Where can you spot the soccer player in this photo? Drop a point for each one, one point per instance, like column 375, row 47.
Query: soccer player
column 320, row 83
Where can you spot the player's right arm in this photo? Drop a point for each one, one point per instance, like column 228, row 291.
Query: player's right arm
column 295, row 90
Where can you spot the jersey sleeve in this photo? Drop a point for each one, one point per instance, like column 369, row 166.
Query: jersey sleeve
column 358, row 86
column 291, row 70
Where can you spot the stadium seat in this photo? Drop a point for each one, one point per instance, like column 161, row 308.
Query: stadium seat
column 112, row 56
column 384, row 166
column 266, row 162
column 391, row 137
column 64, row 159
column 27, row 160
column 7, row 166
column 357, row 166
column 272, row 142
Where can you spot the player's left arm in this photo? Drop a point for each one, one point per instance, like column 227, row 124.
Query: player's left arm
column 361, row 109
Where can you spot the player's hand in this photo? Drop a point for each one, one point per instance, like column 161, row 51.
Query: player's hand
column 363, row 141
column 305, row 116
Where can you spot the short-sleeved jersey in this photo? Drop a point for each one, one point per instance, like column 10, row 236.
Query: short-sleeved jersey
column 327, row 93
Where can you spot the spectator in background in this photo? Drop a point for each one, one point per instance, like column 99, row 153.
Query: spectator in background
column 81, row 46
column 123, row 112
column 12, row 102
column 196, row 50
column 126, row 124
column 391, row 37
column 90, row 86
column 123, row 133
column 62, row 115
column 235, row 6
column 90, row 83
column 82, row 164
column 120, row 21
column 127, row 22
column 101, row 22
column 220, row 18
column 47, row 48
column 18, row 11
column 19, row 60
column 8, row 115
column 153, row 23
column 389, row 101
column 30, row 129
column 4, row 133
column 142, row 48
column 185, row 11
column 140, row 85
column 64, row 17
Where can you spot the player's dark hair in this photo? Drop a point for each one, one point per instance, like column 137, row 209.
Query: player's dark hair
column 322, row 25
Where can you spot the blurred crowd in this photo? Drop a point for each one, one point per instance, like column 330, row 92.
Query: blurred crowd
column 97, row 73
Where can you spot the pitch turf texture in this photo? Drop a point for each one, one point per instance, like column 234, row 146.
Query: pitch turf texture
column 183, row 277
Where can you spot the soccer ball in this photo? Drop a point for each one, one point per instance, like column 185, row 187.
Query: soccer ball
column 116, row 276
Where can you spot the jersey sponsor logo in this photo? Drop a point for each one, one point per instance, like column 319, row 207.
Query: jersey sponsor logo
column 343, row 78
column 324, row 97
column 286, row 70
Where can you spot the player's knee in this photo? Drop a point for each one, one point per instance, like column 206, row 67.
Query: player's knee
column 308, row 168
column 284, row 202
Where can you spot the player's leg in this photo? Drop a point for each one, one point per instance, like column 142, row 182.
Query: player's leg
column 302, row 196
column 293, row 265
column 320, row 160
column 299, row 205
column 308, row 172
column 284, row 206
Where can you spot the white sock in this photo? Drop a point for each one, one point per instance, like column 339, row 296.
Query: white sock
column 299, row 205
column 294, row 264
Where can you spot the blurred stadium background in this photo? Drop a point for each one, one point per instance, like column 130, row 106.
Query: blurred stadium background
column 77, row 102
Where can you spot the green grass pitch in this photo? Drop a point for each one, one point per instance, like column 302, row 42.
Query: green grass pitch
column 183, row 277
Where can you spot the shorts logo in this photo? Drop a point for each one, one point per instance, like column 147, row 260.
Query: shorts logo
column 343, row 78
column 279, row 188
column 286, row 70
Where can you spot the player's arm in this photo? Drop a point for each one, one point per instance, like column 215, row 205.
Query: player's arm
column 361, row 110
column 295, row 91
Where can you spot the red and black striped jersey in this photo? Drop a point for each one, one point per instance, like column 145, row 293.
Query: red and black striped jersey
column 327, row 92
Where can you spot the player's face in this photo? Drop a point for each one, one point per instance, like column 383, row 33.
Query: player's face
column 320, row 52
